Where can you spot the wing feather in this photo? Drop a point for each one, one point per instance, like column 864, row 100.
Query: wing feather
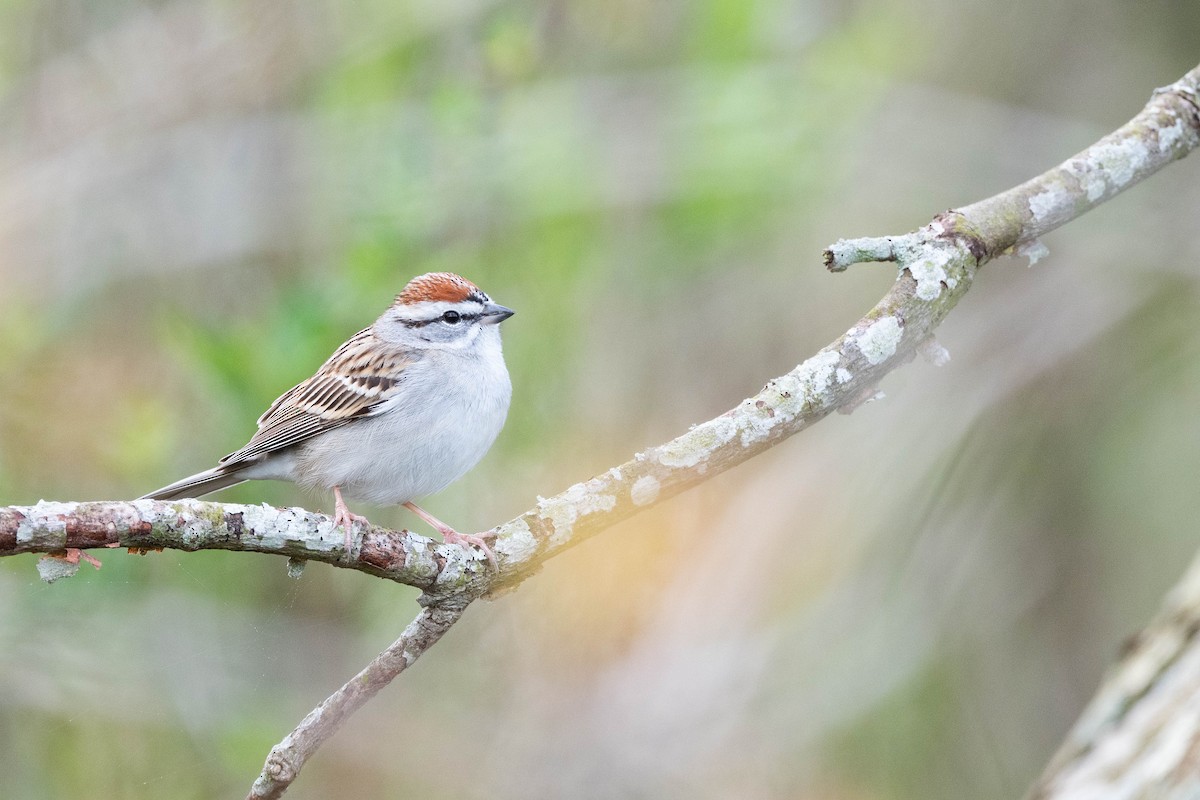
column 361, row 375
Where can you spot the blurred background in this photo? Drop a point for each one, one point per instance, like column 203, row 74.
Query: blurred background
column 199, row 200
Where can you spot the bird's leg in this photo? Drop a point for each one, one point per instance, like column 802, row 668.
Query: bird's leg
column 451, row 536
column 345, row 517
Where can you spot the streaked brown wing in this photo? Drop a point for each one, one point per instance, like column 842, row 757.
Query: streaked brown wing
column 357, row 378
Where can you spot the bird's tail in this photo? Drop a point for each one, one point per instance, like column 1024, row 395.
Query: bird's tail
column 198, row 485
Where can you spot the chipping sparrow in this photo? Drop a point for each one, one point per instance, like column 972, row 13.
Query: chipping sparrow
column 401, row 410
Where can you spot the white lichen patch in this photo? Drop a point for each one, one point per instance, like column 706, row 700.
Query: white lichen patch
column 1051, row 205
column 812, row 381
column 455, row 561
column 579, row 500
column 1111, row 165
column 1119, row 161
column 145, row 508
column 1094, row 184
column 47, row 519
column 420, row 556
column 784, row 398
column 644, row 490
column 880, row 340
column 929, row 272
column 1169, row 136
column 516, row 542
column 756, row 419
column 276, row 528
column 697, row 444
column 268, row 527
column 843, row 375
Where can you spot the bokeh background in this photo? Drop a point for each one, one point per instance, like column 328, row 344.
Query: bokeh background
column 199, row 200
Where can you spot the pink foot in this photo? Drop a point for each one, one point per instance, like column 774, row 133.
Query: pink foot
column 345, row 517
column 451, row 536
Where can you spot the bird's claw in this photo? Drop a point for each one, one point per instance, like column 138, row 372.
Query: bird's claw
column 451, row 536
column 345, row 517
column 348, row 518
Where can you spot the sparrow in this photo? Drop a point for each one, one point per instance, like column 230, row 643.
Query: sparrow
column 401, row 410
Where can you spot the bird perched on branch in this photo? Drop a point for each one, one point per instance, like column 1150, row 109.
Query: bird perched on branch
column 401, row 410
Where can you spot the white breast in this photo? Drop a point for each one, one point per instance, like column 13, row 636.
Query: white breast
column 451, row 408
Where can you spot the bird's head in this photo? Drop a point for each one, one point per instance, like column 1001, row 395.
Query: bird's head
column 441, row 310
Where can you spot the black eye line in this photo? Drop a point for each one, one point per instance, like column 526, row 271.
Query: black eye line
column 421, row 323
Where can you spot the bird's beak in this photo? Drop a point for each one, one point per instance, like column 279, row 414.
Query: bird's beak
column 494, row 314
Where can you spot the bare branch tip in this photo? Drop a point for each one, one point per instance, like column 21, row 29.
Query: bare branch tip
column 844, row 252
column 831, row 262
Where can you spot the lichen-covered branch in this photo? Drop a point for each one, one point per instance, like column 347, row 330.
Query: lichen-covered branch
column 937, row 265
column 1166, row 130
column 300, row 535
column 1140, row 736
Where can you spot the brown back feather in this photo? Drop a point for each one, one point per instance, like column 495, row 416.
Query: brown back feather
column 359, row 377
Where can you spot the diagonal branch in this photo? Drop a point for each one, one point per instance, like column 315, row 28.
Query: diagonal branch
column 937, row 265
column 288, row 757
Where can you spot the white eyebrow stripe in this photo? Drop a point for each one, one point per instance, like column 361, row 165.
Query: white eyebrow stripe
column 428, row 310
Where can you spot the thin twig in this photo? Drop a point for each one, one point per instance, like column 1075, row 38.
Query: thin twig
column 288, row 757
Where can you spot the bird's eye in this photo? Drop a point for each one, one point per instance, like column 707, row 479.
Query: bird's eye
column 452, row 317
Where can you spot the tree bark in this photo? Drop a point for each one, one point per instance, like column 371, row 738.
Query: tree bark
column 1140, row 735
